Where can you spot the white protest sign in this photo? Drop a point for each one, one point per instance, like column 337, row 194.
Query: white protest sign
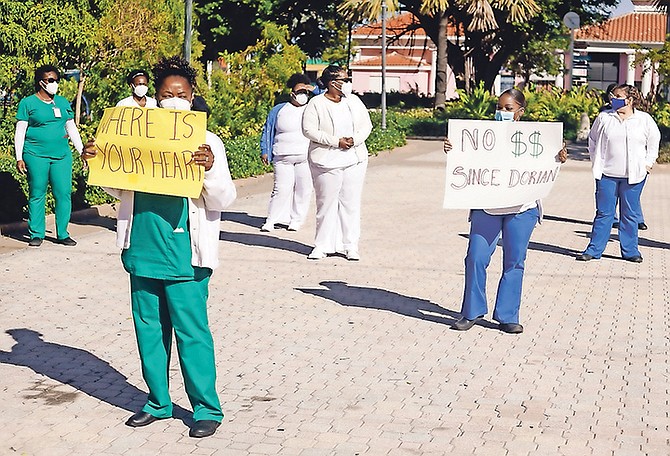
column 497, row 164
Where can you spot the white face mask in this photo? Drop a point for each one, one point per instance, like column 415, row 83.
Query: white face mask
column 51, row 88
column 301, row 99
column 177, row 103
column 347, row 88
column 140, row 90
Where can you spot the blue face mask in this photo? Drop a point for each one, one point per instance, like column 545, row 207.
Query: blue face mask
column 617, row 103
column 505, row 115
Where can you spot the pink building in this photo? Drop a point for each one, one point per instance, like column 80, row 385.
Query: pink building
column 606, row 53
column 410, row 58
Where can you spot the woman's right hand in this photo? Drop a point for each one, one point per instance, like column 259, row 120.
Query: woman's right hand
column 346, row 143
column 21, row 166
column 447, row 145
column 264, row 159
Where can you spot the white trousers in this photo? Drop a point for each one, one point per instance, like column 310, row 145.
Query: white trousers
column 292, row 191
column 338, row 207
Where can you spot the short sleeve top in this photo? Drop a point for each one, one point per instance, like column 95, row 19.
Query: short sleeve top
column 46, row 135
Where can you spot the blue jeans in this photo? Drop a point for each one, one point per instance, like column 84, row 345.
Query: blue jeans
column 485, row 230
column 608, row 191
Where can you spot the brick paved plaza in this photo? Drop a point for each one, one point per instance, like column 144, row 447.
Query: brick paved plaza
column 341, row 358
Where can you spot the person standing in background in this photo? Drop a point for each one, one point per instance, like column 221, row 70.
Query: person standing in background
column 138, row 80
column 44, row 123
column 337, row 123
column 284, row 145
column 623, row 147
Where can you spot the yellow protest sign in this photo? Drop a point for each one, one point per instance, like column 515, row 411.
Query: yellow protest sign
column 149, row 150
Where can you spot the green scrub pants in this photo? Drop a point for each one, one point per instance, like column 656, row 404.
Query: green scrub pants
column 41, row 172
column 159, row 306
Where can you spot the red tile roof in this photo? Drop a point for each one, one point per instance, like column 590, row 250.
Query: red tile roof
column 396, row 25
column 392, row 59
column 634, row 27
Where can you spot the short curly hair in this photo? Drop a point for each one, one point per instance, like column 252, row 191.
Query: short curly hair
column 135, row 73
column 298, row 78
column 174, row 66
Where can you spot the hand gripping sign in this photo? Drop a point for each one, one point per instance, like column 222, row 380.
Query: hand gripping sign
column 500, row 164
column 149, row 150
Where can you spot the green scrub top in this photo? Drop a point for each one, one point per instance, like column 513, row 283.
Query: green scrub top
column 46, row 136
column 160, row 243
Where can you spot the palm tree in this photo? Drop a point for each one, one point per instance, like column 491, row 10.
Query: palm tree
column 479, row 16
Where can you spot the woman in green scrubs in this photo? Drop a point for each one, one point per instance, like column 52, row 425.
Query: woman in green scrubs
column 170, row 247
column 44, row 123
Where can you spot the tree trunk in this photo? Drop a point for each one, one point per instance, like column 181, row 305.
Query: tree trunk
column 441, row 64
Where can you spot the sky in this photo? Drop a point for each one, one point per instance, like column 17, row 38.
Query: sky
column 625, row 6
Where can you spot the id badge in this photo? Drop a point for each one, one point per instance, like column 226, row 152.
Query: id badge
column 57, row 112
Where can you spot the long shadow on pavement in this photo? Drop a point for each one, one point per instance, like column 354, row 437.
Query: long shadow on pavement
column 261, row 240
column 243, row 218
column 376, row 298
column 78, row 368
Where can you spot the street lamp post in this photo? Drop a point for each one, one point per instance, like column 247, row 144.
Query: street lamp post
column 188, row 26
column 384, row 65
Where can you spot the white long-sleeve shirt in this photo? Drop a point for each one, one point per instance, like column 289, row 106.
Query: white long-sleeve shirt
column 623, row 148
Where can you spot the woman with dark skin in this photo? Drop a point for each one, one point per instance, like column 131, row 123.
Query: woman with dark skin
column 516, row 224
column 170, row 247
column 44, row 123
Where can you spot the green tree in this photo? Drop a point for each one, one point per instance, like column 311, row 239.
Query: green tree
column 233, row 25
column 245, row 90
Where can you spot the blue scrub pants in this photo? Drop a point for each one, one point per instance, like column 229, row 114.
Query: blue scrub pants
column 608, row 190
column 485, row 231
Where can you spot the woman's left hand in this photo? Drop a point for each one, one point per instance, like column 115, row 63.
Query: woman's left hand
column 204, row 157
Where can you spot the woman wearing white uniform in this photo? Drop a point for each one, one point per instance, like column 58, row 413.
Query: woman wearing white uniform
column 284, row 145
column 138, row 81
column 337, row 124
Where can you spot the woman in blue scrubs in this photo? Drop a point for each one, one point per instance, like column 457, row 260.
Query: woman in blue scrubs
column 516, row 225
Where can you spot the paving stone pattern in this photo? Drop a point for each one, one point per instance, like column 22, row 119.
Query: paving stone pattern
column 334, row 357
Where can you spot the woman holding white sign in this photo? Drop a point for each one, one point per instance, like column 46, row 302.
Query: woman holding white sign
column 170, row 247
column 516, row 224
column 623, row 147
column 337, row 124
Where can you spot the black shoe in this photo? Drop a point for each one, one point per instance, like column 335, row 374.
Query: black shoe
column 464, row 324
column 141, row 419
column 642, row 226
column 635, row 259
column 203, row 428
column 584, row 257
column 35, row 242
column 511, row 328
column 67, row 241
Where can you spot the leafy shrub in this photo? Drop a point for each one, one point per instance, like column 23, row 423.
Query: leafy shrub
column 244, row 157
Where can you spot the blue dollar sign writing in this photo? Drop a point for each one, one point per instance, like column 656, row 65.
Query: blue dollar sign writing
column 537, row 148
column 518, row 144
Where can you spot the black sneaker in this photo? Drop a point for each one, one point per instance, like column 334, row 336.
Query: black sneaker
column 67, row 241
column 642, row 226
column 35, row 242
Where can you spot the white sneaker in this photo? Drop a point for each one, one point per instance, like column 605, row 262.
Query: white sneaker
column 316, row 254
column 353, row 255
column 293, row 227
column 266, row 228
